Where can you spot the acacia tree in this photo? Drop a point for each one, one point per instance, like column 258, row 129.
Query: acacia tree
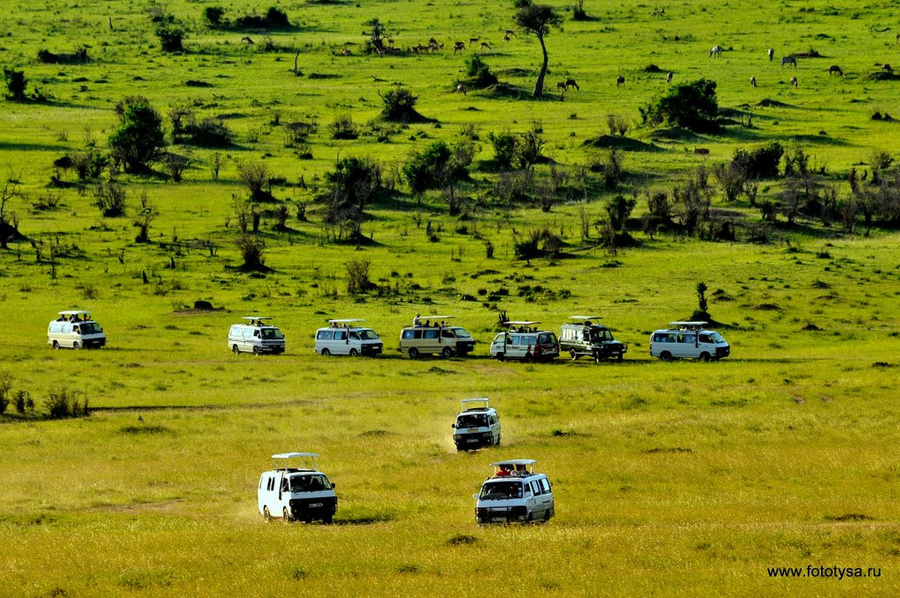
column 136, row 143
column 538, row 19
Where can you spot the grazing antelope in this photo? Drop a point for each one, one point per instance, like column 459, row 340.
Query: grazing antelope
column 571, row 83
column 485, row 47
column 794, row 81
column 669, row 76
column 390, row 42
column 561, row 86
column 346, row 52
column 460, row 88
column 788, row 61
column 835, row 70
column 474, row 40
column 511, row 33
column 771, row 53
column 432, row 41
column 887, row 68
column 753, row 81
column 620, row 81
column 459, row 47
column 247, row 39
column 701, row 151
column 506, row 38
column 716, row 51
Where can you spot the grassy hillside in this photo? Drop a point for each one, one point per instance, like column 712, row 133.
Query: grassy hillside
column 675, row 479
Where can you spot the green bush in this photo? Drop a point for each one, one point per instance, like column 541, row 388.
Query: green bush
column 478, row 73
column 693, row 106
column 62, row 404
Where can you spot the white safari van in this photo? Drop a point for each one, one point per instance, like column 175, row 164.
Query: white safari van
column 585, row 338
column 514, row 493
column 255, row 336
column 75, row 329
column 524, row 341
column 342, row 338
column 296, row 493
column 688, row 340
column 476, row 425
column 432, row 336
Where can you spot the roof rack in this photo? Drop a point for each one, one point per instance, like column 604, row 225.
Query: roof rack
column 520, row 322
column 694, row 325
column 285, row 457
column 74, row 312
column 483, row 404
column 345, row 320
column 584, row 317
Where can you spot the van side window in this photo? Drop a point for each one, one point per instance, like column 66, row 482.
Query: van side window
column 409, row 334
column 325, row 335
column 447, row 333
column 527, row 489
column 430, row 333
column 340, row 335
column 536, row 487
column 545, row 485
column 704, row 338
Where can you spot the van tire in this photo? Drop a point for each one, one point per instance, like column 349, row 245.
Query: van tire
column 75, row 345
column 413, row 353
column 354, row 353
column 256, row 350
column 235, row 350
column 267, row 515
column 546, row 515
column 501, row 357
column 56, row 345
column 574, row 354
column 328, row 519
column 325, row 353
column 704, row 356
column 287, row 515
column 665, row 356
column 528, row 358
column 620, row 357
column 447, row 352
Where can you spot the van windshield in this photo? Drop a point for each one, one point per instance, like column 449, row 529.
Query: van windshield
column 91, row 328
column 471, row 420
column 272, row 334
column 716, row 337
column 601, row 334
column 501, row 490
column 310, row 483
column 460, row 332
column 367, row 334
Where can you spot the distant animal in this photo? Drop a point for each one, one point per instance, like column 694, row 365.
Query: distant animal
column 771, row 53
column 432, row 41
column 571, row 83
column 561, row 86
column 110, row 23
column 485, row 47
column 794, row 81
column 701, row 151
column 753, row 81
column 669, row 76
column 788, row 61
column 506, row 38
column 511, row 33
column 459, row 47
column 620, row 81
column 474, row 40
column 247, row 40
column 887, row 68
column 835, row 70
column 460, row 88
column 346, row 52
column 716, row 51
column 390, row 42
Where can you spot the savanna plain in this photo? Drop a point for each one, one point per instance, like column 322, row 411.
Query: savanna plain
column 670, row 478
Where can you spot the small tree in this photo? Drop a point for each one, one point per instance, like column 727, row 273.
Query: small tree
column 693, row 106
column 143, row 220
column 251, row 248
column 702, row 314
column 110, row 198
column 15, row 84
column 256, row 177
column 139, row 138
column 358, row 277
column 170, row 32
column 376, row 32
column 399, row 106
column 6, row 383
column 619, row 210
column 213, row 16
column 8, row 220
column 478, row 73
column 538, row 19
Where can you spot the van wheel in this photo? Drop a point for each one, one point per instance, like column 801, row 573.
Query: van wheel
column 325, row 353
column 267, row 515
column 287, row 515
column 256, row 351
column 75, row 345
column 573, row 354
column 704, row 356
column 501, row 357
column 665, row 356
column 620, row 357
column 528, row 358
column 547, row 515
column 413, row 353
column 328, row 519
column 235, row 350
column 447, row 352
column 529, row 518
column 354, row 353
column 56, row 345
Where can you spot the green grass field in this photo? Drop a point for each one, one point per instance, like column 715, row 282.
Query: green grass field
column 670, row 478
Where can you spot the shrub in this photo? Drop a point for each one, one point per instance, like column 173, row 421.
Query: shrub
column 343, row 128
column 504, row 145
column 693, row 106
column 251, row 248
column 540, row 243
column 619, row 210
column 209, row 133
column 213, row 16
column 170, row 33
column 399, row 106
column 110, row 196
column 358, row 277
column 578, row 12
column 89, row 165
column 15, row 84
column 478, row 73
column 138, row 140
column 62, row 404
column 23, row 401
column 6, row 382
column 255, row 176
column 761, row 163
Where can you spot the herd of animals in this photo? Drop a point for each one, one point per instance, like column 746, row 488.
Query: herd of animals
column 563, row 86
